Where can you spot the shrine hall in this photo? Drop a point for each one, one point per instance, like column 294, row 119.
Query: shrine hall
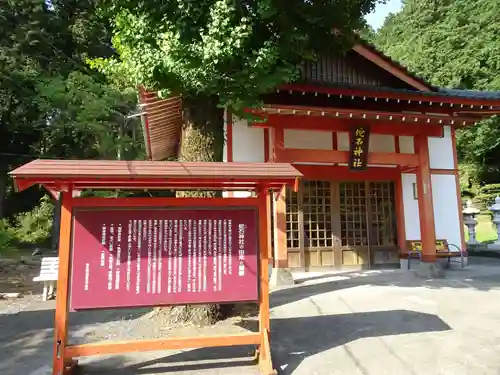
column 376, row 145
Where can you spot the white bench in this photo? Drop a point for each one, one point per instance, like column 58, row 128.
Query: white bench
column 48, row 275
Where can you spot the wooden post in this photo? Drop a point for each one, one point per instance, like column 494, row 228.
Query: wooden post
column 400, row 215
column 61, row 314
column 264, row 352
column 425, row 204
column 280, row 248
column 278, row 143
column 459, row 194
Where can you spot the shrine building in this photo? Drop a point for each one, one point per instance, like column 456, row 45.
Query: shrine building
column 377, row 148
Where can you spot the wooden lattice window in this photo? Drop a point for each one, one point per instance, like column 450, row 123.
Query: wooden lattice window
column 316, row 205
column 353, row 214
column 382, row 214
column 293, row 226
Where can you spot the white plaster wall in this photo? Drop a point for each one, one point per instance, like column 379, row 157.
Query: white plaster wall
column 446, row 212
column 441, row 151
column 406, row 144
column 412, row 221
column 308, row 139
column 381, row 143
column 343, row 141
column 248, row 146
column 248, row 142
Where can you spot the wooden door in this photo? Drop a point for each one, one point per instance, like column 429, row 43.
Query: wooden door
column 383, row 224
column 352, row 212
column 317, row 211
column 341, row 224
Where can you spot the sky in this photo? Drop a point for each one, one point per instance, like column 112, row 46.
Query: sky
column 377, row 17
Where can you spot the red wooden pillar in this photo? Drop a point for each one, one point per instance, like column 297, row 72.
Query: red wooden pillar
column 278, row 143
column 280, row 250
column 425, row 204
column 61, row 314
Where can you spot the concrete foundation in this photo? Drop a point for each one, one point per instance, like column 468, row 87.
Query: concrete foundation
column 281, row 277
column 403, row 263
column 430, row 270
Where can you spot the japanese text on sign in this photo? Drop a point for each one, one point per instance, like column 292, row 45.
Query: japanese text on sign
column 360, row 137
column 145, row 257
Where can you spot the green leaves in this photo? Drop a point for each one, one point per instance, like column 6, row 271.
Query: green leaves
column 235, row 50
column 454, row 44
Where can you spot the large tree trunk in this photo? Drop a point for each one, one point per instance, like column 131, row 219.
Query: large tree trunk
column 202, row 140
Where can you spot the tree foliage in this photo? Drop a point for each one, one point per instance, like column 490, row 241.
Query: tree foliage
column 453, row 43
column 233, row 50
column 51, row 103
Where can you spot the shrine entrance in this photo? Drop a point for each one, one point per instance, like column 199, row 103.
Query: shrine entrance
column 342, row 224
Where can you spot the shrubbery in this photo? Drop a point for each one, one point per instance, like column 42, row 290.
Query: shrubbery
column 486, row 196
column 33, row 227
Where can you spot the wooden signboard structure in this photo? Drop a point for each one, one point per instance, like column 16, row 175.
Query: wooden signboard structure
column 131, row 252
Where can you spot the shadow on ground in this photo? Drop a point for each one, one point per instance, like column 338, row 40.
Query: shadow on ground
column 293, row 340
column 26, row 338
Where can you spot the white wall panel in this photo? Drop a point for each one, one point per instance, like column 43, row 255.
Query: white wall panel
column 441, row 151
column 308, row 139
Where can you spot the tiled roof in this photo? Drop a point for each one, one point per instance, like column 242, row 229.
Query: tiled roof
column 395, row 63
column 469, row 93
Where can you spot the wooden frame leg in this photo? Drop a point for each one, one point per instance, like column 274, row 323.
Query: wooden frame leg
column 264, row 350
column 265, row 360
column 62, row 365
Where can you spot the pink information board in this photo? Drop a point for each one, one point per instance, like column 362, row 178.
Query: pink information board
column 153, row 257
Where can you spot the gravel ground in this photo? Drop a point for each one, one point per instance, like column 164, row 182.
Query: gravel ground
column 366, row 323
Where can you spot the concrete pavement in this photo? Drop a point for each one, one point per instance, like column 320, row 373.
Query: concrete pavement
column 369, row 322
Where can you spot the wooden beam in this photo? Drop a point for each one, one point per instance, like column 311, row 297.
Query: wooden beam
column 425, row 202
column 295, row 155
column 165, row 202
column 118, row 347
column 368, row 115
column 342, row 173
column 330, row 124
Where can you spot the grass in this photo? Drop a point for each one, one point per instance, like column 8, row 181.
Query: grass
column 485, row 230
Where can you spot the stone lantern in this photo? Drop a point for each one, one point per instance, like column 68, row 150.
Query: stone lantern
column 495, row 209
column 470, row 213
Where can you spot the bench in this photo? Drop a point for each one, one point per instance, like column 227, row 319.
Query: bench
column 443, row 250
column 48, row 275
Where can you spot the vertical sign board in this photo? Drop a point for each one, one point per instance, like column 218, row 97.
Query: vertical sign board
column 153, row 257
column 358, row 153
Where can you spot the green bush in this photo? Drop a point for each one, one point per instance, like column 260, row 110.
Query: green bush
column 486, row 196
column 34, row 227
column 7, row 234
